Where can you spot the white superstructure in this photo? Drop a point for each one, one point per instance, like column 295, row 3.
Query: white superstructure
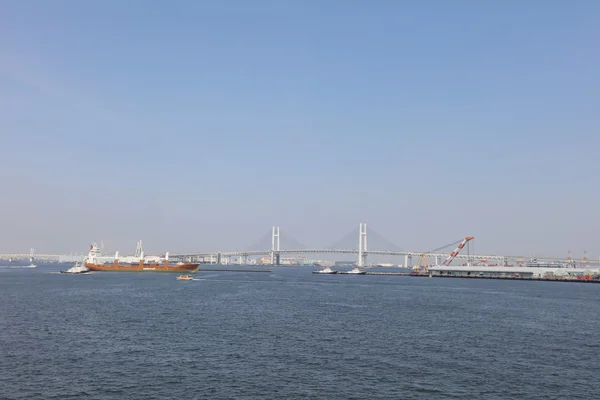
column 94, row 256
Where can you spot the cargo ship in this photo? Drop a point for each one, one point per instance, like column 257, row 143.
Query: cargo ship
column 136, row 263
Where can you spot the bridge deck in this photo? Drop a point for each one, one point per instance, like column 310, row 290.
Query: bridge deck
column 479, row 257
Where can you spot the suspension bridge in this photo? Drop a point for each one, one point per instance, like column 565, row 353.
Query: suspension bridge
column 361, row 252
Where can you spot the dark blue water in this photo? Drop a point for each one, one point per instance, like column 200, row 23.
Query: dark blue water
column 291, row 334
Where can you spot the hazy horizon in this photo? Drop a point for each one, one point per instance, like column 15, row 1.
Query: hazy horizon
column 197, row 126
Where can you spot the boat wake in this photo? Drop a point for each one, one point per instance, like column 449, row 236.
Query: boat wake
column 349, row 305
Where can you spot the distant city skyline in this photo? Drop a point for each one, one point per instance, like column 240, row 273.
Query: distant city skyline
column 197, row 126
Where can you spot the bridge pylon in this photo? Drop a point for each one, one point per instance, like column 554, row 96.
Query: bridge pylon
column 362, row 245
column 275, row 246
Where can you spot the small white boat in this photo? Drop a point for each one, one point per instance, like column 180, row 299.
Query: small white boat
column 31, row 264
column 356, row 271
column 78, row 268
column 185, row 277
column 325, row 270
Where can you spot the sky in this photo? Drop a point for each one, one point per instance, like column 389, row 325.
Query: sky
column 198, row 125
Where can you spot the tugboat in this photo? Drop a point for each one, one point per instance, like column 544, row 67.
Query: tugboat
column 78, row 268
column 325, row 270
column 185, row 277
column 356, row 271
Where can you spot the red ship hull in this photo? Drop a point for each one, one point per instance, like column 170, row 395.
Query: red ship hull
column 141, row 267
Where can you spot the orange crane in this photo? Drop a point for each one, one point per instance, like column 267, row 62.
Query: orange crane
column 422, row 263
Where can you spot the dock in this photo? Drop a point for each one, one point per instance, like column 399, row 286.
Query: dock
column 371, row 273
column 388, row 273
column 517, row 278
column 375, row 273
column 557, row 278
column 232, row 270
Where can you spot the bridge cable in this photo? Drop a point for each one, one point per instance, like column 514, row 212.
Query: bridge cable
column 443, row 247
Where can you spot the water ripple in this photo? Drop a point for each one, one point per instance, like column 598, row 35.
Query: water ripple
column 292, row 335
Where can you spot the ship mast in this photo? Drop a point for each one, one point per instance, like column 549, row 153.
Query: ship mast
column 138, row 249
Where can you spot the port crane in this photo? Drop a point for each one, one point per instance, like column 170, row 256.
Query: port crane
column 462, row 244
column 423, row 263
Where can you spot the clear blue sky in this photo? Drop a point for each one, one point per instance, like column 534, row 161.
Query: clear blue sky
column 194, row 124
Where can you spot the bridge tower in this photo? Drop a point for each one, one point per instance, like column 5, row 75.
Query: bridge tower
column 362, row 245
column 275, row 246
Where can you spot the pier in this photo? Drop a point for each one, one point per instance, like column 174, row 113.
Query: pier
column 520, row 278
column 516, row 274
column 388, row 273
column 232, row 270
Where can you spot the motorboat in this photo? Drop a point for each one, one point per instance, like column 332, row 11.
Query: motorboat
column 185, row 277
